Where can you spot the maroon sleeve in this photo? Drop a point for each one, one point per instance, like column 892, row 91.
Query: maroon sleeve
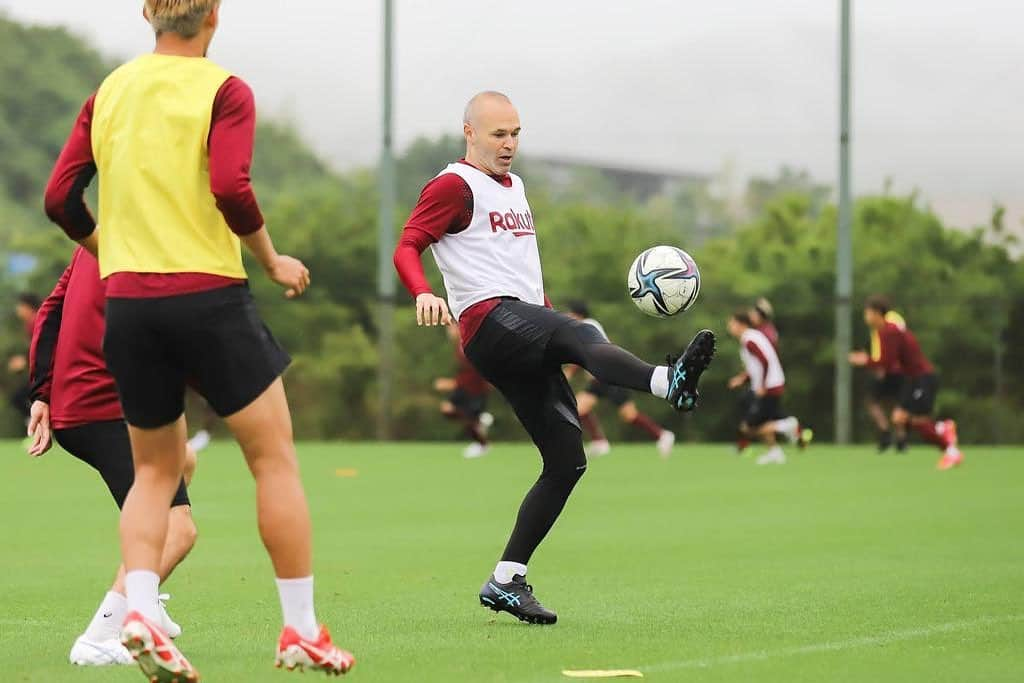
column 44, row 338
column 74, row 170
column 759, row 354
column 445, row 207
column 232, row 134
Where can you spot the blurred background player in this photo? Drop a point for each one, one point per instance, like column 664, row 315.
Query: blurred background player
column 886, row 386
column 74, row 398
column 25, row 308
column 475, row 218
column 920, row 383
column 765, row 418
column 179, row 310
column 587, row 400
column 762, row 315
column 467, row 399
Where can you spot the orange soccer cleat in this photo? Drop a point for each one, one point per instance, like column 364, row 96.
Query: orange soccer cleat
column 296, row 652
column 156, row 655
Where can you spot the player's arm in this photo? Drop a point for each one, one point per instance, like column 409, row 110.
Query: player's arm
column 445, row 206
column 763, row 361
column 738, row 380
column 65, row 192
column 444, row 384
column 41, row 353
column 230, row 145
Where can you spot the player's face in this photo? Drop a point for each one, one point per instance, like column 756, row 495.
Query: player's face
column 24, row 312
column 493, row 136
column 873, row 318
column 734, row 327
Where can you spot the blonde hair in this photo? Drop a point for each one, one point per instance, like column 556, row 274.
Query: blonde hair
column 184, row 17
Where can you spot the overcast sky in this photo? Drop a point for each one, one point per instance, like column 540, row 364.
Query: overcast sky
column 681, row 84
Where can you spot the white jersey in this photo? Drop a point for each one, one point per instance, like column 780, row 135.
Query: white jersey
column 497, row 254
column 761, row 361
column 597, row 325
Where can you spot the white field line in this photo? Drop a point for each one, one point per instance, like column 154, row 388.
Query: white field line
column 833, row 646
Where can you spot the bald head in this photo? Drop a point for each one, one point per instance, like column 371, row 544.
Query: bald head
column 490, row 123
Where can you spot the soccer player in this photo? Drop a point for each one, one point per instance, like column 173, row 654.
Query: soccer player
column 920, row 384
column 170, row 135
column 467, row 399
column 765, row 417
column 587, row 399
column 25, row 309
column 74, row 398
column 886, row 385
column 475, row 218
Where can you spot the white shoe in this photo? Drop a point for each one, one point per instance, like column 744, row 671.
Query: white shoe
column 598, row 448
column 485, row 420
column 475, row 450
column 86, row 652
column 665, row 443
column 166, row 623
column 199, row 441
column 774, row 456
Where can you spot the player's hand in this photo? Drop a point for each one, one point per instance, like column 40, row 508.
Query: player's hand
column 737, row 381
column 39, row 429
column 17, row 363
column 858, row 358
column 760, row 393
column 444, row 384
column 432, row 310
column 290, row 273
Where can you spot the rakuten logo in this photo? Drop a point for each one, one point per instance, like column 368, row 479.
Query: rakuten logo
column 519, row 224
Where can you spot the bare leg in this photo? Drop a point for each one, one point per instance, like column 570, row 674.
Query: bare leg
column 264, row 432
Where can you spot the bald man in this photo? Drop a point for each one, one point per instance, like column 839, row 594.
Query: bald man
column 475, row 218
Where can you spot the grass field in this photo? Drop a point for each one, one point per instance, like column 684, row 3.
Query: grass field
column 841, row 566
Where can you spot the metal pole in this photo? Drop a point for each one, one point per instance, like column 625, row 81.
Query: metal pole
column 844, row 241
column 385, row 237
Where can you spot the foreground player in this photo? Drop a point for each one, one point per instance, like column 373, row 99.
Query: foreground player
column 467, row 399
column 171, row 135
column 764, row 418
column 587, row 399
column 475, row 217
column 74, row 398
column 920, row 384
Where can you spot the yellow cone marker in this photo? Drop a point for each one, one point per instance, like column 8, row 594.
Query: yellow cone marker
column 346, row 472
column 602, row 673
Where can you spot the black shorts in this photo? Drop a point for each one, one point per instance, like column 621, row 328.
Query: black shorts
column 887, row 387
column 106, row 448
column 213, row 340
column 617, row 395
column 469, row 404
column 763, row 409
column 918, row 396
column 509, row 351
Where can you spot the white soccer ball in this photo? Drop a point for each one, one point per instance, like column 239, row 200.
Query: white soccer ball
column 663, row 281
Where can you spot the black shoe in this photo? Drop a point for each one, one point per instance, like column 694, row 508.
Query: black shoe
column 884, row 442
column 901, row 446
column 685, row 371
column 516, row 598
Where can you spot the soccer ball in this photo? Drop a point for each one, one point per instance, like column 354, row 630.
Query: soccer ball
column 663, row 281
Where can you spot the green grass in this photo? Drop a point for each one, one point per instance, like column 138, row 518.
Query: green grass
column 841, row 566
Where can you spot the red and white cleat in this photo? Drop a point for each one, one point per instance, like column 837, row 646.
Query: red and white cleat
column 950, row 459
column 296, row 652
column 157, row 656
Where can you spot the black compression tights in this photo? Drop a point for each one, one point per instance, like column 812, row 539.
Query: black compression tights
column 610, row 364
column 564, row 464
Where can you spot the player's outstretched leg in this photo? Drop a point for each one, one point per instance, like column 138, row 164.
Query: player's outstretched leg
column 264, row 432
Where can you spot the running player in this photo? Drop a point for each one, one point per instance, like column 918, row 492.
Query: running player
column 475, row 218
column 764, row 418
column 467, row 399
column 25, row 310
column 920, row 384
column 170, row 135
column 587, row 399
column 886, row 385
column 74, row 395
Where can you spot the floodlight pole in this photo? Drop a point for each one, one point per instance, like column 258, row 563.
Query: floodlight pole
column 385, row 238
column 844, row 241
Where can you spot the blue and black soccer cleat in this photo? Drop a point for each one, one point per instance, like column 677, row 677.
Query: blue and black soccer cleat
column 516, row 598
column 685, row 371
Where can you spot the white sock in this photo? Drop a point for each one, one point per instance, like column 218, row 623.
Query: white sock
column 504, row 572
column 297, row 605
column 106, row 623
column 659, row 381
column 142, row 587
